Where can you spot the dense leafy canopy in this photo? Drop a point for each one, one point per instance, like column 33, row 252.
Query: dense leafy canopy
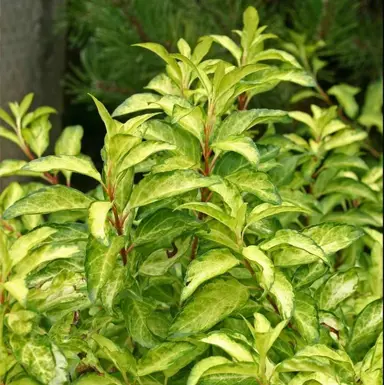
column 234, row 260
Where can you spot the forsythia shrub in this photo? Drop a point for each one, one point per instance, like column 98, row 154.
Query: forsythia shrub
column 231, row 261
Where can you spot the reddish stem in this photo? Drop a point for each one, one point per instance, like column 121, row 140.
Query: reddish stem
column 242, row 102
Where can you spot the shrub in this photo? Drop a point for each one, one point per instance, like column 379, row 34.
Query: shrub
column 203, row 256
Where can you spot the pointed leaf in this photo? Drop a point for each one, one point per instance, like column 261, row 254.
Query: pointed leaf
column 332, row 237
column 212, row 210
column 136, row 314
column 49, row 200
column 305, row 317
column 256, row 183
column 283, row 292
column 366, row 329
column 242, row 145
column 160, row 186
column 99, row 263
column 202, row 366
column 338, row 288
column 267, row 274
column 142, row 152
column 135, row 103
column 80, row 165
column 167, row 354
column 211, row 264
column 205, row 308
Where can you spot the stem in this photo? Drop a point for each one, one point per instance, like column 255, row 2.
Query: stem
column 9, row 227
column 208, row 166
column 27, row 151
column 242, row 102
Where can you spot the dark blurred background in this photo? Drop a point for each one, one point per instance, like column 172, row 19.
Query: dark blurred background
column 62, row 50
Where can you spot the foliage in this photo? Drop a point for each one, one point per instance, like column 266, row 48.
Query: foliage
column 203, row 256
column 110, row 68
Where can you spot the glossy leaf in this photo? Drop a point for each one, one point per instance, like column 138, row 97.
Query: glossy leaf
column 165, row 185
column 256, row 183
column 206, row 310
column 99, row 263
column 211, row 264
column 339, row 287
column 79, row 165
column 48, row 200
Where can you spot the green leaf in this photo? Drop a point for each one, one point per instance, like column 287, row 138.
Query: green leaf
column 37, row 358
column 38, row 113
column 21, row 322
column 315, row 378
column 142, row 152
column 18, row 290
column 69, row 141
column 371, row 114
column 228, row 44
column 283, row 293
column 305, row 317
column 344, row 138
column 229, row 163
column 232, row 347
column 110, row 124
column 168, row 354
column 135, row 103
column 48, row 200
column 25, row 381
column 205, row 309
column 99, row 263
column 345, row 95
column 266, row 210
column 165, row 185
column 338, row 288
column 77, row 164
column 366, row 329
column 8, row 134
column 163, row 85
column 276, row 54
column 24, row 244
column 163, row 53
column 231, row 374
column 122, row 359
column 265, row 335
column 46, row 253
column 10, row 167
column 184, row 141
column 161, row 228
column 266, row 276
column 37, row 135
column 242, row 145
column 256, row 183
column 221, row 235
column 112, row 288
column 136, row 313
column 159, row 262
column 93, row 379
column 7, row 118
column 211, row 264
column 341, row 161
column 350, row 187
column 241, row 121
column 296, row 239
column 202, row 366
column 97, row 217
column 199, row 73
column 123, row 189
column 230, row 195
column 332, row 237
column 212, row 210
